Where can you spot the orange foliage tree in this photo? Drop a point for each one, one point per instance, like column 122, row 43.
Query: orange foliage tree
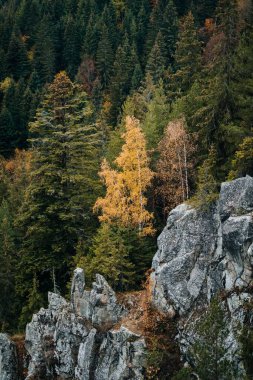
column 125, row 202
column 174, row 167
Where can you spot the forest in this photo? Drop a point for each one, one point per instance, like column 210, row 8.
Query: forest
column 112, row 112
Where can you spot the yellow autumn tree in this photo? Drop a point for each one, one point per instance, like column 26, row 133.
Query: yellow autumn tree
column 175, row 167
column 125, row 202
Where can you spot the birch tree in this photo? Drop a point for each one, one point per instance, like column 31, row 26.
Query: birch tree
column 174, row 167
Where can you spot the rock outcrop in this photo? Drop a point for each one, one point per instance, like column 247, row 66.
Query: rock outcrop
column 75, row 340
column 8, row 359
column 202, row 253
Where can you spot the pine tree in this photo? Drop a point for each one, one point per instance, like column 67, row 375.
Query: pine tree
column 154, row 25
column 91, row 39
column 110, row 257
column 242, row 82
column 207, row 184
column 104, row 57
column 123, row 67
column 210, row 103
column 45, row 52
column 57, row 211
column 156, row 117
column 209, row 350
column 187, row 55
column 7, row 132
column 7, row 267
column 169, row 30
column 156, row 61
column 242, row 163
column 125, row 202
column 34, row 303
column 71, row 46
column 17, row 60
column 137, row 77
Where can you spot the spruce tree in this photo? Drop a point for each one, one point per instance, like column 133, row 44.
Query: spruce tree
column 207, row 184
column 242, row 82
column 71, row 46
column 104, row 57
column 109, row 256
column 123, row 68
column 156, row 63
column 156, row 117
column 17, row 60
column 57, row 211
column 209, row 349
column 169, row 30
column 187, row 55
column 45, row 52
column 7, row 267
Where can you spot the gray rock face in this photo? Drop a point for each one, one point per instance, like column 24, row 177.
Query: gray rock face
column 203, row 253
column 121, row 356
column 63, row 343
column 99, row 305
column 187, row 266
column 8, row 359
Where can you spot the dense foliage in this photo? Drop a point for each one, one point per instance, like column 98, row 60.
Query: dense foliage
column 159, row 92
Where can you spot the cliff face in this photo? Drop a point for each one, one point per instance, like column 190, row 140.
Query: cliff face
column 200, row 254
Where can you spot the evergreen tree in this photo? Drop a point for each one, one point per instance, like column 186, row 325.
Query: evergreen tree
column 110, row 257
column 209, row 350
column 210, row 103
column 156, row 61
column 57, row 212
column 123, row 67
column 71, row 46
column 7, row 132
column 91, row 39
column 242, row 82
column 154, row 25
column 207, row 184
column 187, row 55
column 104, row 58
column 156, row 117
column 137, row 77
column 45, row 53
column 242, row 163
column 17, row 60
column 169, row 30
column 7, row 267
column 34, row 303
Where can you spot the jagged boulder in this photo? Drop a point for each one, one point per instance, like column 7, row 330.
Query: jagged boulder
column 115, row 355
column 121, row 356
column 99, row 305
column 73, row 340
column 8, row 359
column 53, row 338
